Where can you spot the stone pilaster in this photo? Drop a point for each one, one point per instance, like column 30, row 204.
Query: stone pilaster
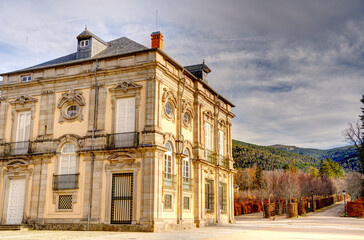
column 3, row 115
column 46, row 115
column 151, row 106
column 39, row 192
column 101, row 108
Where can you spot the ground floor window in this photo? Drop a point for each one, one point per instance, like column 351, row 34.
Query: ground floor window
column 186, row 203
column 65, row 202
column 222, row 197
column 168, row 202
column 209, row 195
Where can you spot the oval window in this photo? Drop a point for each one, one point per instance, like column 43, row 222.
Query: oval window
column 72, row 110
column 168, row 108
column 186, row 118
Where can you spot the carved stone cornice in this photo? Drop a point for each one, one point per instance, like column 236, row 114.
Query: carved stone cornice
column 125, row 86
column 47, row 92
column 18, row 167
column 119, row 157
column 124, row 164
column 23, row 99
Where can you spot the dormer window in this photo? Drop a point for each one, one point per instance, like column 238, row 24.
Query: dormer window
column 84, row 43
column 26, row 78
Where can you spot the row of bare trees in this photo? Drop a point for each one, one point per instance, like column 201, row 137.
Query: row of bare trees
column 284, row 184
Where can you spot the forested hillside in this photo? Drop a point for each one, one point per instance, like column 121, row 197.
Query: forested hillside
column 248, row 155
column 347, row 157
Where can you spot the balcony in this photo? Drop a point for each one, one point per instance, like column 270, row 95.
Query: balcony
column 65, row 181
column 187, row 183
column 123, row 140
column 169, row 180
column 210, row 156
column 224, row 161
column 18, row 148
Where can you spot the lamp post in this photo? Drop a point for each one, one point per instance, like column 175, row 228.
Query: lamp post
column 313, row 209
column 346, row 210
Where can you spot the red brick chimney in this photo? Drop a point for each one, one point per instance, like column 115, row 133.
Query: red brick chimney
column 157, row 40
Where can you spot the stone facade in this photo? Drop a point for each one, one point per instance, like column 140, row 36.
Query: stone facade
column 175, row 169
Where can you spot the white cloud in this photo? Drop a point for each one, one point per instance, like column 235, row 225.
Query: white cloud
column 293, row 69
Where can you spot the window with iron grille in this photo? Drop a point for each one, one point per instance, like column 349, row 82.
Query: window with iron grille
column 222, row 197
column 64, row 202
column 168, row 201
column 186, row 203
column 209, row 195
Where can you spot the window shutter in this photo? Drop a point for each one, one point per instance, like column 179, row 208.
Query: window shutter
column 23, row 127
column 125, row 115
column 207, row 136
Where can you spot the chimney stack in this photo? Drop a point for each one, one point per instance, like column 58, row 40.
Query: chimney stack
column 157, row 40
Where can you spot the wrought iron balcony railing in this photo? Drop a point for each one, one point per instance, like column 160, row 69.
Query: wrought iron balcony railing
column 123, row 140
column 224, row 161
column 18, row 148
column 169, row 180
column 65, row 181
column 210, row 156
column 187, row 183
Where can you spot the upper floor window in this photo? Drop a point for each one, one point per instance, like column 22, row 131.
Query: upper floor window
column 84, row 43
column 72, row 111
column 67, row 163
column 125, row 115
column 186, row 173
column 26, row 78
column 168, row 161
column 209, row 195
column 207, row 136
column 221, row 143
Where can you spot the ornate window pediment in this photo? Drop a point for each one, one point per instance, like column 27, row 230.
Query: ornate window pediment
column 125, row 86
column 71, row 105
column 23, row 99
column 222, row 123
column 17, row 167
column 208, row 116
column 187, row 111
column 169, row 102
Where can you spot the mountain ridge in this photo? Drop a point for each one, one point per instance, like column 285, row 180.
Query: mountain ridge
column 346, row 156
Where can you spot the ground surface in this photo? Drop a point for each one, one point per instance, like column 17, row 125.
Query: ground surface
column 325, row 224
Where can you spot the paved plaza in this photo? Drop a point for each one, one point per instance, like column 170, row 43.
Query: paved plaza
column 325, row 224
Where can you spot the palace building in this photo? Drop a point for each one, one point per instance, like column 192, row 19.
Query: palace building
column 116, row 136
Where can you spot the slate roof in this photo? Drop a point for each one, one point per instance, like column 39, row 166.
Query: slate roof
column 115, row 47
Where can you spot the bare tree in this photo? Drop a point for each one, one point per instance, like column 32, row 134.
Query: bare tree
column 354, row 185
column 354, row 134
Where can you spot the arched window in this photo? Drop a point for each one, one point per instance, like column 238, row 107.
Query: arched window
column 168, row 161
column 186, row 171
column 67, row 163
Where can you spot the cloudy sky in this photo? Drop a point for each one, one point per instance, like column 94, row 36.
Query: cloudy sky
column 294, row 69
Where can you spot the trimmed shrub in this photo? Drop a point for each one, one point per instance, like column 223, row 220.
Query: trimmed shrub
column 269, row 210
column 355, row 209
column 301, row 208
column 292, row 210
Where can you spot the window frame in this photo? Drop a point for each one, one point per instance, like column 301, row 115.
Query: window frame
column 84, row 43
column 28, row 78
column 209, row 195
column 168, row 208
column 186, row 167
column 72, row 155
column 168, row 160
